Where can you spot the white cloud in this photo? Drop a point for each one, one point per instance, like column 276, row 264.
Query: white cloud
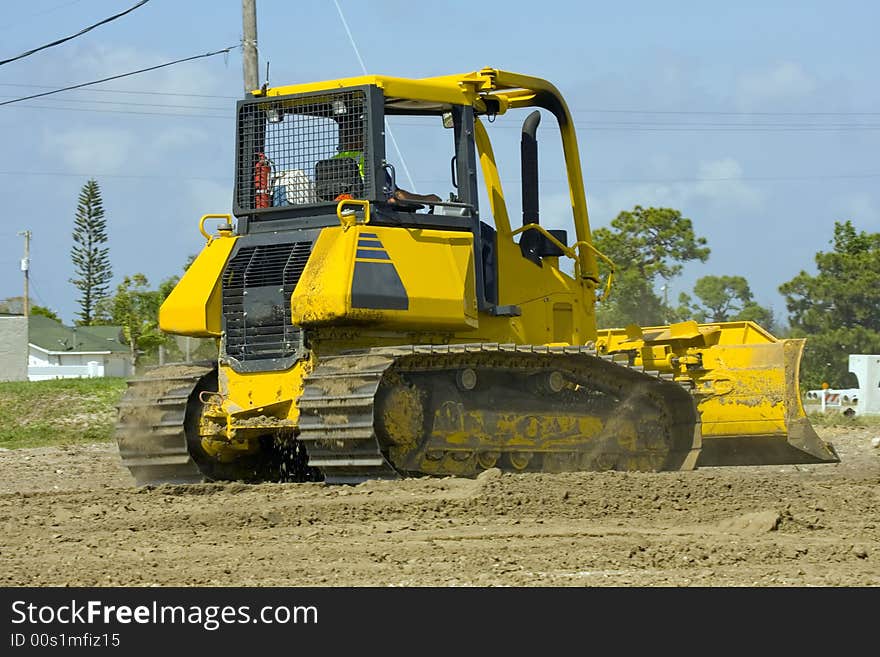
column 718, row 186
column 175, row 138
column 721, row 182
column 861, row 208
column 784, row 81
column 111, row 150
column 120, row 143
column 93, row 62
column 211, row 197
column 556, row 213
column 104, row 150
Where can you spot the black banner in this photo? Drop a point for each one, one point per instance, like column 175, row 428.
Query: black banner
column 244, row 621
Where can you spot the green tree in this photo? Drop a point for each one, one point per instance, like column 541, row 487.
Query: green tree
column 182, row 348
column 646, row 244
column 838, row 308
column 91, row 259
column 135, row 293
column 724, row 299
column 45, row 312
column 135, row 309
column 761, row 315
column 15, row 306
column 721, row 296
column 167, row 286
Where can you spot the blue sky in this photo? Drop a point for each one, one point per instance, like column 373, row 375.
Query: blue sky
column 760, row 121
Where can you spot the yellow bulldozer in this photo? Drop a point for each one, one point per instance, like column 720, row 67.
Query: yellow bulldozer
column 364, row 335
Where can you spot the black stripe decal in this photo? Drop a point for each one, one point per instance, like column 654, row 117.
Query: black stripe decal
column 374, row 255
column 377, row 285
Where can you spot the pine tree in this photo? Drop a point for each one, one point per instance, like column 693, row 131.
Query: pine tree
column 91, row 260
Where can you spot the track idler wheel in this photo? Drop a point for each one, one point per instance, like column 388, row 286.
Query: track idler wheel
column 487, row 460
column 519, row 460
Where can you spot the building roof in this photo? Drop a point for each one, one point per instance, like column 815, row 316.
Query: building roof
column 49, row 335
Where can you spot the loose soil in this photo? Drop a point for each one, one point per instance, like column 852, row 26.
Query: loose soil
column 72, row 516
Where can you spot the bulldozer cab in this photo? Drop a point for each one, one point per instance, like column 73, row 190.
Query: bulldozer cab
column 301, row 150
column 318, row 147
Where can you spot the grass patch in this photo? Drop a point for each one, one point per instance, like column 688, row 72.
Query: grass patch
column 837, row 419
column 58, row 412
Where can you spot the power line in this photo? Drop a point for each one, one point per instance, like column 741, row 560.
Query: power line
column 122, row 91
column 73, row 36
column 714, row 112
column 853, row 176
column 216, row 113
column 41, row 13
column 360, row 59
column 592, row 126
column 651, row 126
column 723, row 128
column 680, row 181
column 110, row 175
column 846, row 176
column 133, row 112
column 665, row 124
column 121, row 75
column 574, row 111
column 36, row 293
column 646, row 123
column 213, row 108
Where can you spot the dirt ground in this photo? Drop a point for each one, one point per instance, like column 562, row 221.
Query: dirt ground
column 71, row 516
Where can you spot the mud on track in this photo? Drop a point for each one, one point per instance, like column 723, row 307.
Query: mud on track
column 71, row 516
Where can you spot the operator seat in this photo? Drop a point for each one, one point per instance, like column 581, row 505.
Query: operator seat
column 336, row 176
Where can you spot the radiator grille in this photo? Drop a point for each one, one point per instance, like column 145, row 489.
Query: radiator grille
column 257, row 285
column 302, row 149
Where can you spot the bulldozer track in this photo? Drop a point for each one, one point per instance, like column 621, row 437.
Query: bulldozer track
column 151, row 427
column 343, row 428
column 337, row 429
column 339, row 416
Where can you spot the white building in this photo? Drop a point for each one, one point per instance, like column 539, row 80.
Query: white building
column 864, row 400
column 866, row 368
column 13, row 347
column 56, row 351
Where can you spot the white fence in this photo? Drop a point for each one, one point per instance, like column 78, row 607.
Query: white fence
column 864, row 400
column 830, row 399
column 43, row 373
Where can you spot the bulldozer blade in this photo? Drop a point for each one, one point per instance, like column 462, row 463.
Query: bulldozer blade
column 751, row 410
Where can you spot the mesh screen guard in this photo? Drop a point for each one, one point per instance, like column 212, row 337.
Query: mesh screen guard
column 303, row 149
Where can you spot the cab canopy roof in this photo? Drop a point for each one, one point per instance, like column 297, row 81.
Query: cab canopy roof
column 489, row 91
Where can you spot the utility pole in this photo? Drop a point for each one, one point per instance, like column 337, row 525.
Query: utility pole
column 25, row 266
column 249, row 46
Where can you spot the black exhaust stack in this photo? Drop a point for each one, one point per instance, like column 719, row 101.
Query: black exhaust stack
column 528, row 150
column 533, row 244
